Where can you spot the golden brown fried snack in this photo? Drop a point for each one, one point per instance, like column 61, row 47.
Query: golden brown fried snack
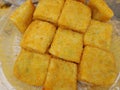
column 31, row 68
column 99, row 34
column 97, row 67
column 48, row 10
column 61, row 75
column 75, row 15
column 100, row 9
column 38, row 36
column 67, row 45
column 22, row 16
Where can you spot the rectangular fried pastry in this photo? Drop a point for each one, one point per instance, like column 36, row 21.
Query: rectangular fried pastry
column 31, row 68
column 67, row 45
column 101, row 11
column 38, row 36
column 22, row 16
column 48, row 10
column 61, row 75
column 99, row 34
column 97, row 67
column 75, row 15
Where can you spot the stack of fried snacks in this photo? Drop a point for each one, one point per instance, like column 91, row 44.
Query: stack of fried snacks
column 65, row 41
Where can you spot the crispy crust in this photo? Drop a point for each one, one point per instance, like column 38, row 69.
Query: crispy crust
column 61, row 75
column 22, row 16
column 97, row 67
column 38, row 36
column 101, row 10
column 99, row 34
column 31, row 68
column 49, row 10
column 67, row 45
column 75, row 15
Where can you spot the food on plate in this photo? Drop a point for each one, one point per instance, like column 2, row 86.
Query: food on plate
column 97, row 67
column 38, row 36
column 61, row 75
column 67, row 45
column 52, row 45
column 101, row 10
column 49, row 10
column 22, row 16
column 75, row 15
column 31, row 67
column 99, row 34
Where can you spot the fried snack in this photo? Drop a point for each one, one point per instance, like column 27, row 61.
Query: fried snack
column 97, row 67
column 75, row 15
column 67, row 45
column 31, row 68
column 49, row 10
column 61, row 75
column 100, row 9
column 22, row 16
column 38, row 36
column 99, row 34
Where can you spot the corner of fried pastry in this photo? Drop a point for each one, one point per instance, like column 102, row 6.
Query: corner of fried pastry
column 97, row 67
column 38, row 36
column 31, row 68
column 99, row 34
column 22, row 16
column 61, row 75
column 101, row 11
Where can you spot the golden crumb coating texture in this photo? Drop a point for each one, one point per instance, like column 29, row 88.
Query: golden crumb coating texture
column 67, row 45
column 97, row 67
column 38, row 36
column 99, row 34
column 49, row 10
column 101, row 11
column 61, row 75
column 75, row 15
column 22, row 16
column 31, row 68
